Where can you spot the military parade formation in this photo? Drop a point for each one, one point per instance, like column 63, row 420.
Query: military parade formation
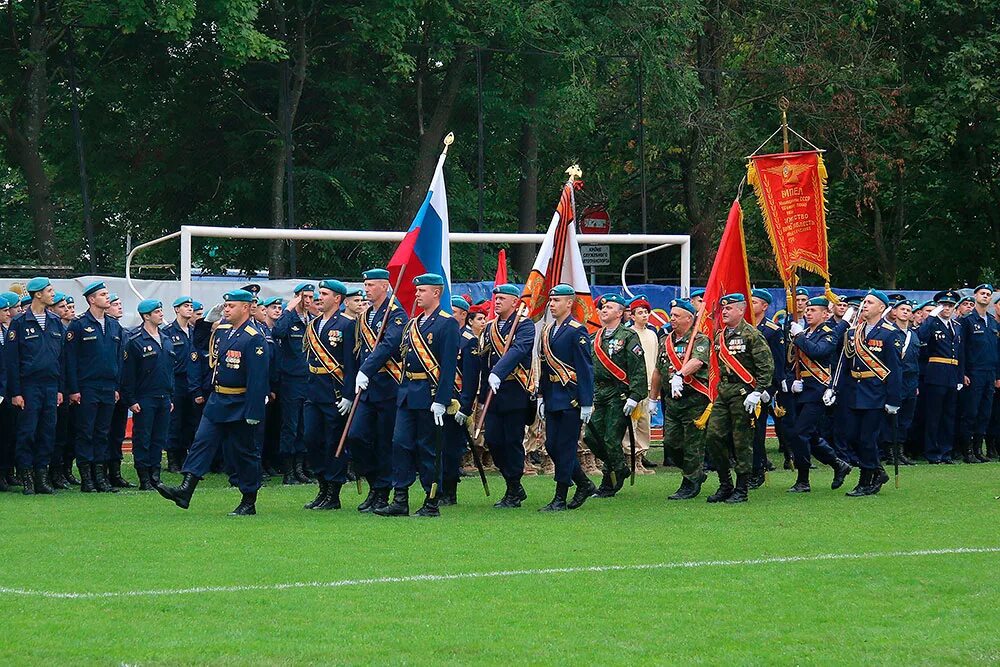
column 335, row 386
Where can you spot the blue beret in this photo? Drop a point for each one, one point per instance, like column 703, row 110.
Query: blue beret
column 26, row 299
column 820, row 301
column 562, row 289
column 37, row 284
column 611, row 298
column 271, row 301
column 966, row 298
column 695, row 293
column 238, row 296
column 112, row 297
column 357, row 291
column 334, row 286
column 303, row 287
column 70, row 300
column 432, row 279
column 375, row 274
column 93, row 287
column 685, row 304
column 507, row 288
column 9, row 299
column 59, row 297
column 197, row 305
column 801, row 291
column 762, row 294
column 459, row 302
column 985, row 286
column 146, row 306
column 735, row 297
column 904, row 302
column 880, row 295
column 925, row 304
column 181, row 300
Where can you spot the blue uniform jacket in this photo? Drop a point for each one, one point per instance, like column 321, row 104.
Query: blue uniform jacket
column 512, row 395
column 3, row 365
column 910, row 360
column 866, row 391
column 148, row 367
column 33, row 356
column 945, row 352
column 199, row 372
column 570, row 344
column 93, row 356
column 820, row 346
column 419, row 388
column 180, row 340
column 383, row 364
column 336, row 338
column 982, row 347
column 239, row 360
column 775, row 338
column 272, row 354
column 467, row 376
column 289, row 332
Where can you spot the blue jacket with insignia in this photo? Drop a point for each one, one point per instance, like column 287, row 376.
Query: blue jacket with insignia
column 469, row 372
column 94, row 355
column 982, row 346
column 149, row 366
column 430, row 379
column 567, row 380
column 382, row 364
column 239, row 360
column 513, row 368
column 333, row 362
column 866, row 390
column 289, row 333
column 818, row 346
column 32, row 356
column 944, row 351
column 180, row 339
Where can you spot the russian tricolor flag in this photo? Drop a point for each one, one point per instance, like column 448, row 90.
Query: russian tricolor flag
column 425, row 247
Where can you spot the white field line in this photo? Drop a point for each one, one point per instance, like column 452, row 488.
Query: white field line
column 416, row 578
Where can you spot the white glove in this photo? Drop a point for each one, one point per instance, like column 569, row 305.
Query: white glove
column 765, row 397
column 892, row 409
column 959, row 386
column 829, row 397
column 215, row 314
column 438, row 410
column 461, row 418
column 797, row 387
column 849, row 314
column 541, row 407
column 494, row 381
column 361, row 383
column 937, row 311
column 795, row 328
column 1, row 400
column 586, row 412
column 343, row 406
column 654, row 407
column 676, row 385
column 784, row 386
column 253, row 422
column 630, row 406
column 751, row 401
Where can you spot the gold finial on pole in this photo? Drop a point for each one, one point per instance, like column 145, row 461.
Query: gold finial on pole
column 574, row 171
column 783, row 105
column 448, row 141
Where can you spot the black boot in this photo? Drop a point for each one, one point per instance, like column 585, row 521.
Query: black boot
column 879, row 477
column 682, row 493
column 101, row 479
column 802, row 482
column 696, row 487
column 584, row 489
column 4, row 486
column 300, row 473
column 381, row 500
column 173, row 461
column 115, row 476
column 864, row 487
column 757, row 479
column 145, row 479
column 247, row 506
column 42, row 483
column 620, row 477
column 506, row 496
column 605, row 490
column 320, row 498
column 992, row 445
column 400, row 505
column 332, row 499
column 430, row 507
column 27, row 482
column 449, row 493
column 57, row 477
column 10, row 477
column 68, row 475
column 977, row 449
column 725, row 488
column 288, row 465
column 180, row 495
column 368, row 504
column 87, row 478
column 742, row 492
column 841, row 469
column 558, row 503
column 967, row 456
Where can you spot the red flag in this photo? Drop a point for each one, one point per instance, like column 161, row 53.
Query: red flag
column 499, row 279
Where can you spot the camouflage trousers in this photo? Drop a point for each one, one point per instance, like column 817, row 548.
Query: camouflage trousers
column 684, row 441
column 730, row 430
column 604, row 434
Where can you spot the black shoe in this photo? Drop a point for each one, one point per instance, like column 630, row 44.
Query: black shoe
column 320, row 496
column 841, row 469
column 880, row 477
column 605, row 489
column 57, row 477
column 864, row 487
column 300, row 473
column 68, row 475
column 620, row 477
column 400, row 505
column 429, row 508
column 10, row 477
column 173, row 461
column 180, row 495
column 725, row 488
column 647, row 463
column 696, row 486
column 683, row 492
column 800, row 487
column 27, row 482
column 977, row 450
column 332, row 499
column 584, row 489
column 742, row 491
column 87, row 478
column 904, row 461
column 947, row 462
column 448, row 494
column 367, row 505
column 43, row 485
column 115, row 476
column 4, row 486
column 756, row 480
column 145, row 479
column 558, row 503
column 101, row 479
column 788, row 465
column 247, row 506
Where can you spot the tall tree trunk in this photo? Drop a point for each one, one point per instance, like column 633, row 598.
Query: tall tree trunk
column 29, row 160
column 527, row 186
column 276, row 262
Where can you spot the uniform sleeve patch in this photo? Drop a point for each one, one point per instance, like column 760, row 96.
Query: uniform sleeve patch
column 12, row 335
column 398, row 321
column 259, row 351
column 637, row 349
column 69, row 336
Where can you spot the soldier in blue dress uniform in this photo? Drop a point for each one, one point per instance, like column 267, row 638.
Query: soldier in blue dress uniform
column 64, row 452
column 981, row 338
column 239, row 360
column 293, row 372
column 943, row 376
column 467, row 377
column 760, row 301
column 900, row 315
column 7, row 477
column 182, row 419
column 429, row 349
column 267, row 313
column 119, row 418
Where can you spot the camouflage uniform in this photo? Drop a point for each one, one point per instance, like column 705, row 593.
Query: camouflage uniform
column 685, row 440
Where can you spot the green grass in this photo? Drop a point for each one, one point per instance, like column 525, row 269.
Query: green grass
column 918, row 609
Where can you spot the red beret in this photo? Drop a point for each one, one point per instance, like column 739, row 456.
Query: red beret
column 640, row 303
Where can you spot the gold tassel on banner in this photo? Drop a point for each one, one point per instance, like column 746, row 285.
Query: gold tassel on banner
column 701, row 422
column 830, row 296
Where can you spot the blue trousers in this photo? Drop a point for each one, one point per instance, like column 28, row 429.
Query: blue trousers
column 504, row 436
column 562, row 437
column 786, row 427
column 149, row 431
column 454, row 448
column 36, row 426
column 371, row 439
column 92, row 423
column 810, row 441
column 8, row 431
column 760, row 438
column 182, row 423
column 977, row 406
column 292, row 439
column 838, row 416
column 904, row 418
column 323, row 427
column 116, row 434
column 237, row 442
column 939, row 421
column 414, row 448
column 862, row 434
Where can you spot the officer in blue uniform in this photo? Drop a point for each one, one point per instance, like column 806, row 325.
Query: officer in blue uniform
column 760, row 301
column 147, row 388
column 894, row 435
column 119, row 418
column 981, row 338
column 943, row 377
column 7, row 478
column 182, row 424
column 567, row 389
column 266, row 315
column 64, row 451
column 379, row 374
column 816, row 346
column 429, row 349
column 874, row 386
column 329, row 339
column 34, row 356
column 293, row 372
column 94, row 345
column 239, row 360
column 467, row 378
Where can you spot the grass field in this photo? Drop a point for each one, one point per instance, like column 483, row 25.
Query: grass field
column 667, row 598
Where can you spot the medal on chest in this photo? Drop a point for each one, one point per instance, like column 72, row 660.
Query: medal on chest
column 736, row 345
column 233, row 358
column 615, row 346
column 335, row 337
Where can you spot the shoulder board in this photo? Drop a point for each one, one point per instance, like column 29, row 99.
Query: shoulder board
column 224, row 326
column 253, row 332
column 468, row 335
column 444, row 314
column 393, row 306
column 826, row 328
column 771, row 325
column 575, row 324
column 890, row 327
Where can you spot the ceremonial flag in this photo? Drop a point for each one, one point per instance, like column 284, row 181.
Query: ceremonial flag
column 559, row 261
column 499, row 279
column 425, row 248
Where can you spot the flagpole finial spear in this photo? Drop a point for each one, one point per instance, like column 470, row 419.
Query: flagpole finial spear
column 574, row 171
column 783, row 105
column 448, row 141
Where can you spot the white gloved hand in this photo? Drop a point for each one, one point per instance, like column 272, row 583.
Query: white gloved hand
column 1, row 400
column 438, row 410
column 343, row 406
column 829, row 397
column 795, row 328
column 797, row 387
column 959, row 386
column 784, row 386
column 751, row 401
column 937, row 311
column 494, row 382
column 765, row 397
column 361, row 383
column 849, row 314
column 676, row 385
column 654, row 407
column 215, row 314
column 461, row 418
column 630, row 406
column 586, row 412
column 541, row 407
column 253, row 422
column 892, row 409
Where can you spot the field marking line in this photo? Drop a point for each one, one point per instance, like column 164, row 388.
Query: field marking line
column 416, row 578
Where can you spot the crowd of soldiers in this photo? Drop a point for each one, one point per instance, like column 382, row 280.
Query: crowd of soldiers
column 337, row 385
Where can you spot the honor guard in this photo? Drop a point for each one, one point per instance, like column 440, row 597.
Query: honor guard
column 8, row 300
column 33, row 357
column 380, row 371
column 182, row 423
column 119, row 418
column 467, row 372
column 567, row 395
column 293, row 373
column 943, row 376
column 745, row 370
column 94, row 346
column 909, row 353
column 429, row 350
column 267, row 313
column 620, row 384
column 760, row 301
column 329, row 338
column 238, row 357
column 981, row 337
column 65, row 438
column 508, row 375
column 680, row 385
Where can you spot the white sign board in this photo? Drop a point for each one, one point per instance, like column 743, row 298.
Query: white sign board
column 595, row 255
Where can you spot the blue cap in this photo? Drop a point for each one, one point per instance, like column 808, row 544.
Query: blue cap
column 801, row 291
column 112, row 297
column 59, row 297
column 431, row 279
column 181, row 300
column 967, row 298
column 611, row 298
column 695, row 293
column 93, row 287
column 854, row 300
column 904, row 302
column 685, row 304
column 820, row 301
column 238, row 296
column 947, row 296
column 459, row 302
column 37, row 284
column 985, row 286
column 357, row 291
column 509, row 289
column 303, row 287
column 70, row 300
column 197, row 305
column 26, row 299
column 375, row 274
column 9, row 299
column 926, row 304
column 735, row 297
column 896, row 297
column 880, row 295
column 334, row 286
column 762, row 294
column 271, row 301
column 562, row 289
column 146, row 306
